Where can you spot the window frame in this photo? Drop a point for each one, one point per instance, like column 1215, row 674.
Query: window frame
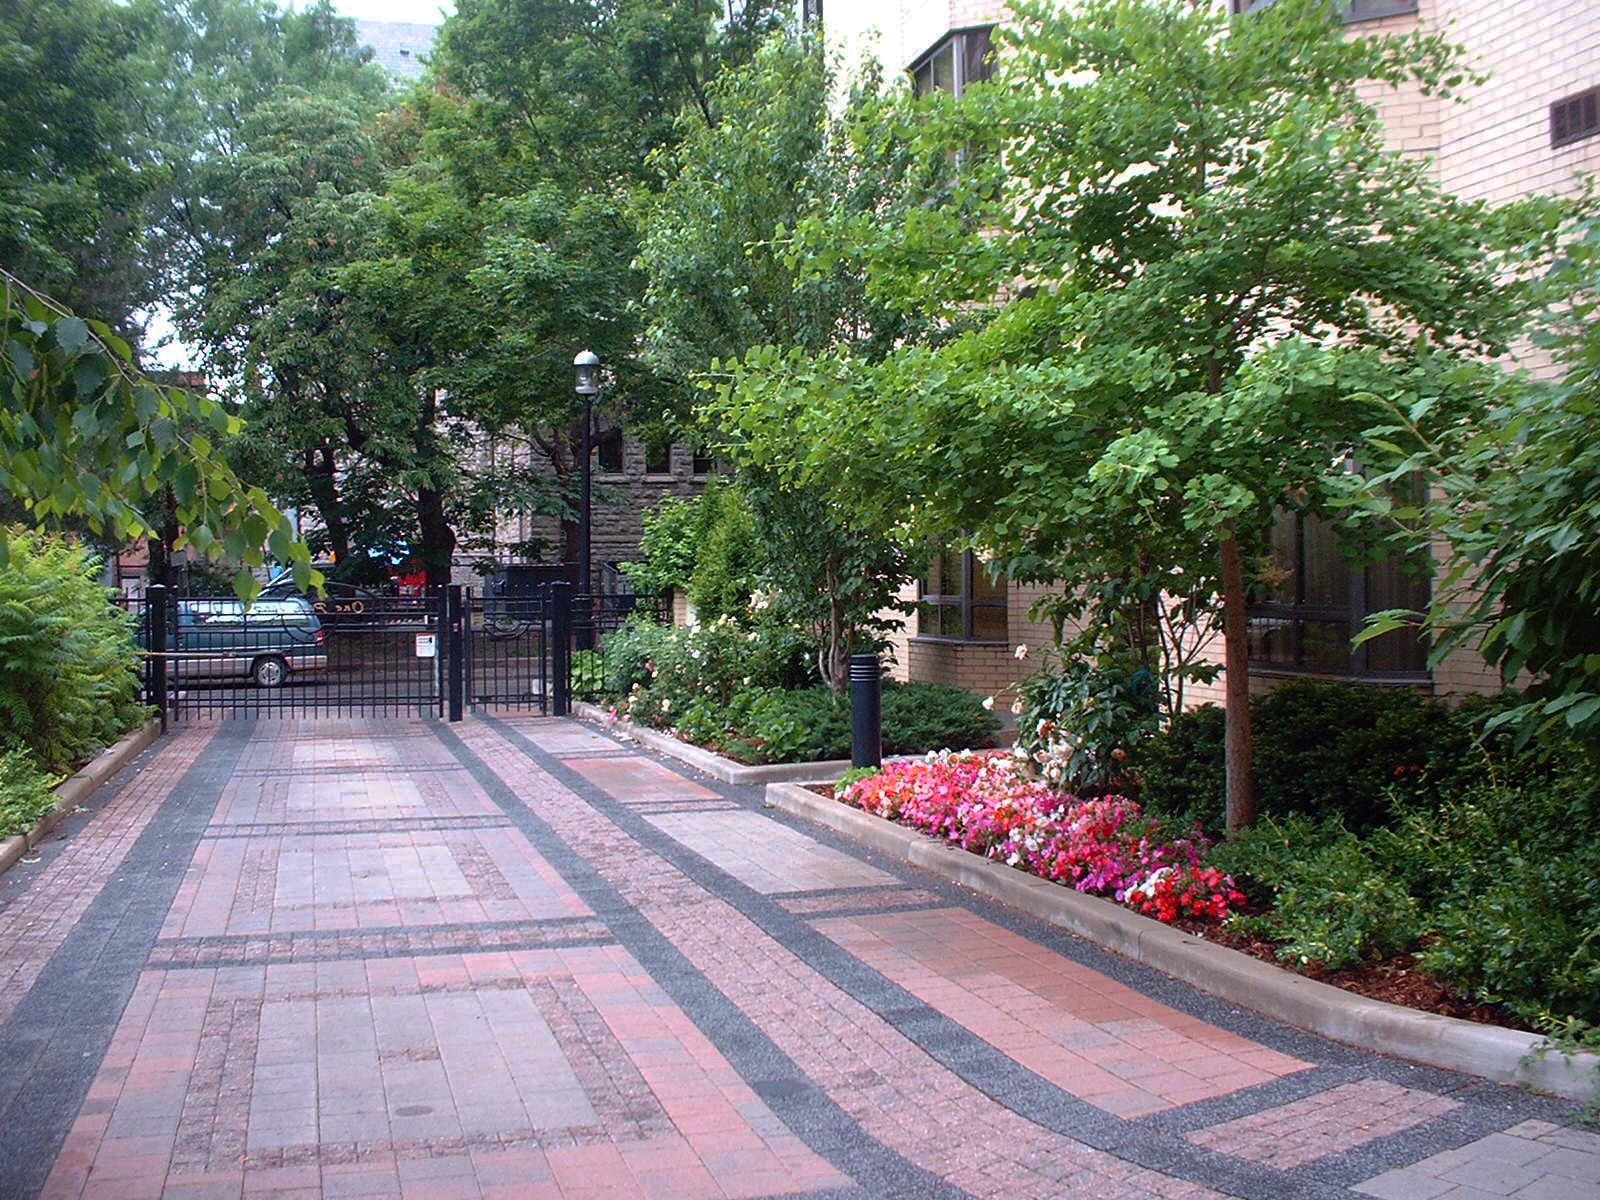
column 1351, row 12
column 1351, row 613
column 955, row 42
column 965, row 601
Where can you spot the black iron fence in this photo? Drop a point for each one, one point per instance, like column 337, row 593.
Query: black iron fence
column 439, row 654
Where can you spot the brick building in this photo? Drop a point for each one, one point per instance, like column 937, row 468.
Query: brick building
column 1534, row 126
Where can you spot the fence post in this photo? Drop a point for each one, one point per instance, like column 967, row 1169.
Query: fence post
column 457, row 667
column 561, row 647
column 156, row 624
column 866, row 711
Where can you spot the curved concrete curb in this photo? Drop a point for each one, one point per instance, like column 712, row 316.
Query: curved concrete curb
column 72, row 792
column 1486, row 1051
column 713, row 765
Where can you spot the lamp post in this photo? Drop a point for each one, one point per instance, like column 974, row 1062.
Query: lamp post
column 586, row 367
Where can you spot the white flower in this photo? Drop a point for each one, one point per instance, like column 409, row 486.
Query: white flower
column 988, row 703
column 666, row 706
column 1016, row 706
column 1020, row 652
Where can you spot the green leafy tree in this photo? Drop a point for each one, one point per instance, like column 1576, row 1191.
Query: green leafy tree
column 1212, row 267
column 84, row 437
column 1514, row 493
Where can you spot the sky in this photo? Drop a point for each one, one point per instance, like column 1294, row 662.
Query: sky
column 422, row 12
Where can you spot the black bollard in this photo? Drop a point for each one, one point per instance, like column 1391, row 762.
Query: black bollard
column 866, row 711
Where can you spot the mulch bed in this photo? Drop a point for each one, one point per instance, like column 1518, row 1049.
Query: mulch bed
column 1396, row 979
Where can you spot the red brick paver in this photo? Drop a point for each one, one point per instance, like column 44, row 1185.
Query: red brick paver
column 382, row 976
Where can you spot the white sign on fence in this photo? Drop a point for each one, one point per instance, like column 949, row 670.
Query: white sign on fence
column 427, row 645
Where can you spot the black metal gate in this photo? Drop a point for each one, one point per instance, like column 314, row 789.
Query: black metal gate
column 439, row 654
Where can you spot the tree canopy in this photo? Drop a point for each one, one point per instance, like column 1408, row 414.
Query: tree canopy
column 1211, row 268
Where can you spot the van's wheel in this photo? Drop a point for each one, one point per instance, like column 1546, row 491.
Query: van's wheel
column 269, row 672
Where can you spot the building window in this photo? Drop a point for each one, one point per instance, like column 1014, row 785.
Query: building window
column 959, row 59
column 704, row 462
column 1305, row 620
column 1575, row 118
column 608, row 452
column 811, row 12
column 1351, row 11
column 658, row 458
column 958, row 600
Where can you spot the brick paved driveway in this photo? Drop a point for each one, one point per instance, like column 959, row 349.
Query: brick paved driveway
column 516, row 959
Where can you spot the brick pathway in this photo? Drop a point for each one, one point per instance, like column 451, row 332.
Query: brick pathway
column 516, row 959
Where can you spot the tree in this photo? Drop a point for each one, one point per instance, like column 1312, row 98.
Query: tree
column 725, row 282
column 78, row 177
column 1212, row 267
column 83, row 435
column 1513, row 491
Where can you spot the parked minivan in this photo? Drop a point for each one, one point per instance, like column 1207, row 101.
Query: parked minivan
column 217, row 638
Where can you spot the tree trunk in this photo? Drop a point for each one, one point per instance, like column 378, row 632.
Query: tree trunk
column 438, row 539
column 318, row 469
column 1236, row 685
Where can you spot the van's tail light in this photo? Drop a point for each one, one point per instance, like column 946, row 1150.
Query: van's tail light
column 319, row 636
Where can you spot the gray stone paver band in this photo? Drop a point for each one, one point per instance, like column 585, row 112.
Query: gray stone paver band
column 518, row 959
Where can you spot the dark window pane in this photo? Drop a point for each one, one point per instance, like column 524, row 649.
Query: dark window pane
column 1325, row 645
column 1285, row 543
column 975, row 56
column 658, row 459
column 989, row 622
column 704, row 462
column 944, row 68
column 609, row 453
column 1271, row 639
column 1324, row 575
column 984, row 588
column 928, row 620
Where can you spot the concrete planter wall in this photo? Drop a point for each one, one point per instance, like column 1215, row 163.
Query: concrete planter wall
column 1486, row 1051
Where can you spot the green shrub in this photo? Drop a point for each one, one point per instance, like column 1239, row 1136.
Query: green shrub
column 1088, row 716
column 1333, row 902
column 1340, row 750
column 68, row 683
column 1359, row 753
column 1512, row 875
column 25, row 793
column 918, row 717
column 1180, row 771
column 774, row 725
column 588, row 675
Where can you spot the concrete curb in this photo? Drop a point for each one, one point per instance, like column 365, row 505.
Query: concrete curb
column 1485, row 1051
column 72, row 792
column 713, row 765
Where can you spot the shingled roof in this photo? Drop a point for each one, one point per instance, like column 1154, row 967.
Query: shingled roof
column 398, row 46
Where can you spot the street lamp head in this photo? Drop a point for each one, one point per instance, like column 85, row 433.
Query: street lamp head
column 587, row 368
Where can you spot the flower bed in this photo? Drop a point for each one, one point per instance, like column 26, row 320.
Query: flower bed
column 1104, row 846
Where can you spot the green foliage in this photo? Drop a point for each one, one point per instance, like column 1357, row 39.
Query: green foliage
column 588, row 675
column 775, row 725
column 1333, row 749
column 84, row 436
column 67, row 666
column 1322, row 749
column 918, row 717
column 25, row 794
column 1333, row 903
column 669, row 542
column 1515, row 493
column 1238, row 277
column 1083, row 715
column 730, row 557
column 1181, row 770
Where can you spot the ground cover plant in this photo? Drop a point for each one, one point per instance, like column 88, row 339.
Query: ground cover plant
column 754, row 695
